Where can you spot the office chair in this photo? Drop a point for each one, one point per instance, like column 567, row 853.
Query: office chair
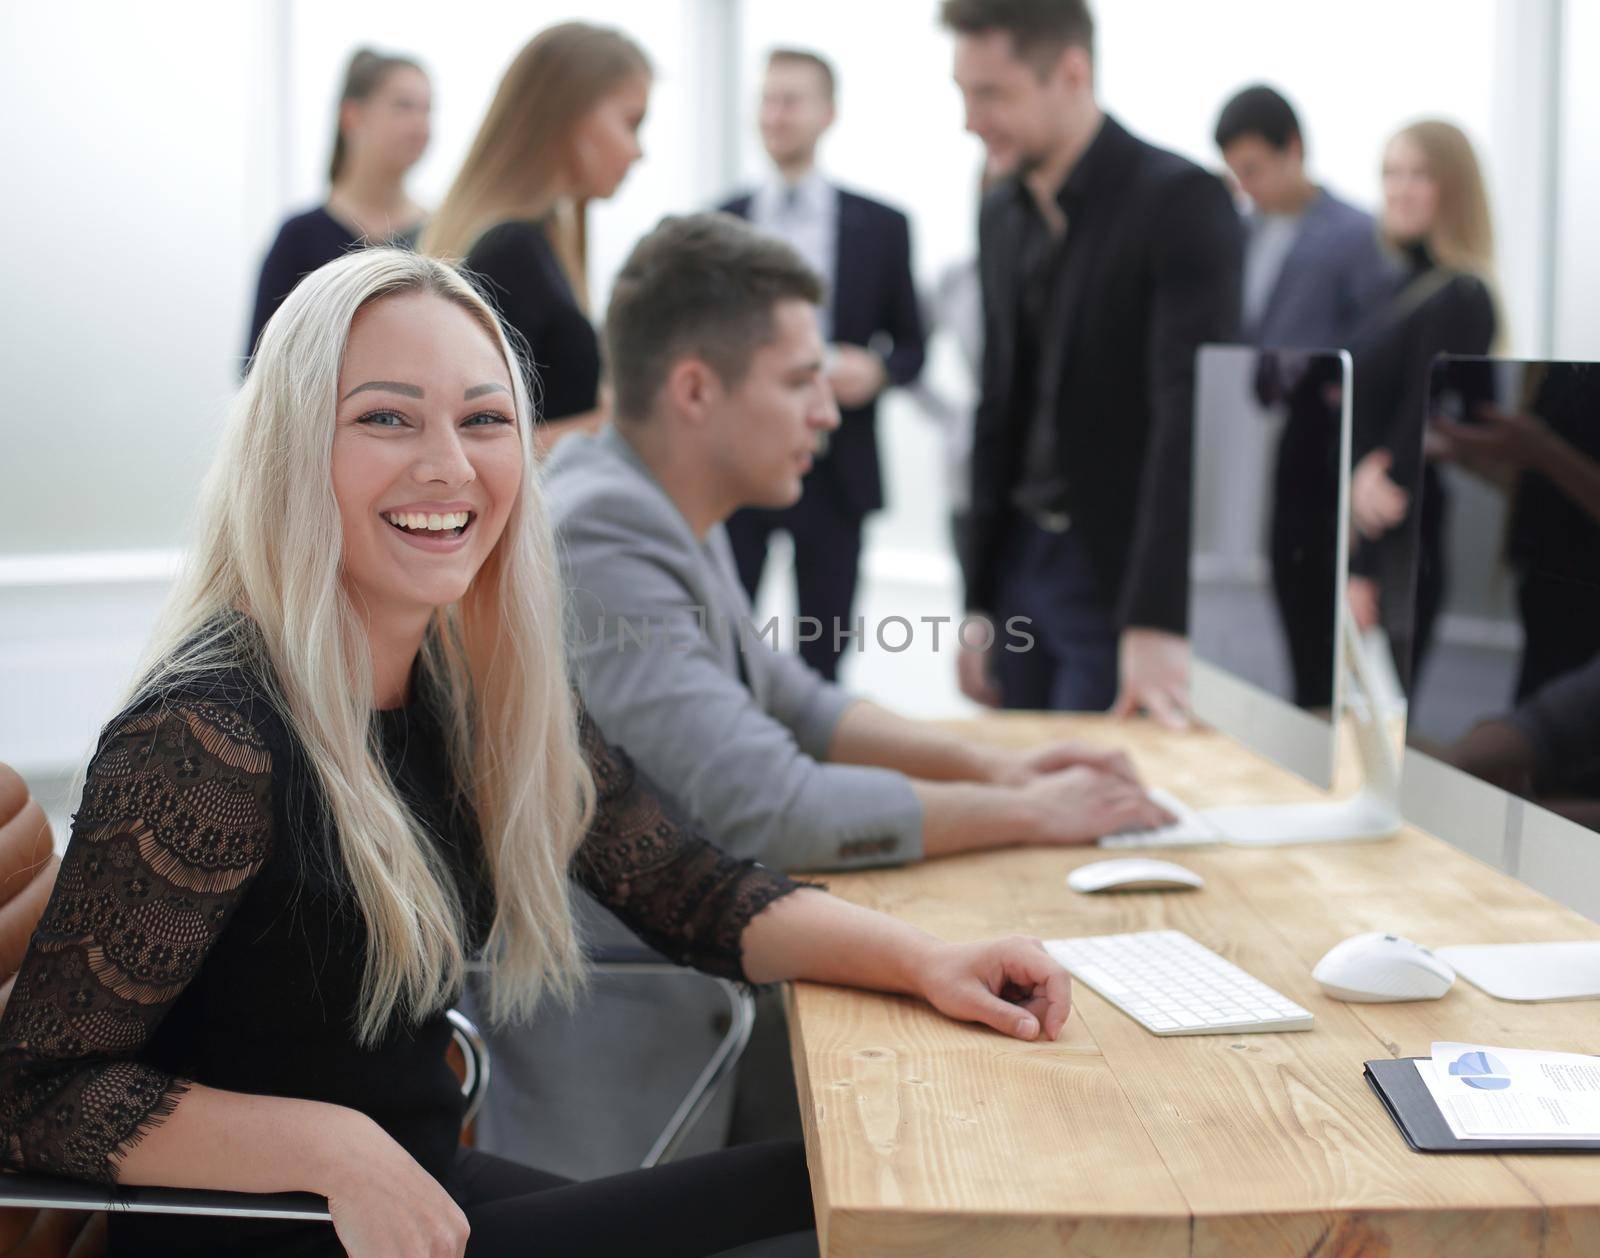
column 723, row 1059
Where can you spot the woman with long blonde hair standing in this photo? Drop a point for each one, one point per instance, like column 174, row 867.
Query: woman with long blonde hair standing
column 1436, row 218
column 561, row 131
column 352, row 761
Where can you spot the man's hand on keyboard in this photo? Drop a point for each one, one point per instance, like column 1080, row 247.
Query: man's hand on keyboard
column 1019, row 767
column 1012, row 985
column 1080, row 804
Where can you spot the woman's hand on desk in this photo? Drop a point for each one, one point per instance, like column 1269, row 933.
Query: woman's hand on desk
column 1012, row 985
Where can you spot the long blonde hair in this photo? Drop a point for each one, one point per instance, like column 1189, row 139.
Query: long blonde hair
column 523, row 149
column 493, row 665
column 1462, row 238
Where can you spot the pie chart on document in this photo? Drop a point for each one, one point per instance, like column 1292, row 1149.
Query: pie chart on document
column 1481, row 1070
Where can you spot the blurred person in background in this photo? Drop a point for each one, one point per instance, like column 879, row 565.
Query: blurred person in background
column 1314, row 269
column 1436, row 217
column 1105, row 262
column 1531, row 435
column 561, row 131
column 862, row 250
column 1313, row 265
column 380, row 132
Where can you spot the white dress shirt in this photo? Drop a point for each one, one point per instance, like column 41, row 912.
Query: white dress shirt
column 805, row 215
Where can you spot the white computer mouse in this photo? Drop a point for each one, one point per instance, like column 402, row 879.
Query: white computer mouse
column 1375, row 967
column 1133, row 873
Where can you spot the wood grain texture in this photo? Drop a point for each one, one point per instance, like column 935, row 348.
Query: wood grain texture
column 927, row 1137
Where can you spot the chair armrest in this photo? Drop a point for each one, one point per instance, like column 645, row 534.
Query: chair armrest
column 50, row 1192
column 475, row 1053
column 614, row 958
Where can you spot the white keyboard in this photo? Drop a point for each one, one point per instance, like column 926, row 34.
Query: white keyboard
column 1189, row 830
column 1172, row 985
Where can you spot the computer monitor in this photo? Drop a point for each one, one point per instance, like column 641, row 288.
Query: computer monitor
column 1504, row 739
column 1274, row 658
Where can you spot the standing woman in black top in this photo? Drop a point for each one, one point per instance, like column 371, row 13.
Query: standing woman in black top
column 561, row 131
column 1436, row 215
column 353, row 761
column 380, row 132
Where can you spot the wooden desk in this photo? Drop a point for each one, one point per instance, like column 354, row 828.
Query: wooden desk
column 927, row 1137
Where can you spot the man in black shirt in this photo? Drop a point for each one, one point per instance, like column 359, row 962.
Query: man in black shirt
column 1105, row 263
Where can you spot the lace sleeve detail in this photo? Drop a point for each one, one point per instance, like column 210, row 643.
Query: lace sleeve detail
column 685, row 898
column 175, row 821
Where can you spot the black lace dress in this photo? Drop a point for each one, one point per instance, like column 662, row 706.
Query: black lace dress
column 200, row 931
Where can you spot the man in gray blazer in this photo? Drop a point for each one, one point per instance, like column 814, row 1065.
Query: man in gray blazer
column 720, row 401
column 1313, row 266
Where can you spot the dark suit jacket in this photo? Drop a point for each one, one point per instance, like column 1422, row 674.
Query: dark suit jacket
column 1151, row 271
column 873, row 303
column 1334, row 276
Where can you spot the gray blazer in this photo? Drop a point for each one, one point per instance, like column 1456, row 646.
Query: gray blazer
column 1334, row 274
column 675, row 673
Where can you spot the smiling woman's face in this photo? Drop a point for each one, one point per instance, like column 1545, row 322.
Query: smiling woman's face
column 427, row 459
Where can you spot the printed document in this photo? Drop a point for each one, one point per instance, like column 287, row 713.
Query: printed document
column 1514, row 1093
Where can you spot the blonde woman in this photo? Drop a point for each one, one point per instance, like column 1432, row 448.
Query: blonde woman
column 380, row 132
column 1436, row 216
column 562, row 130
column 352, row 761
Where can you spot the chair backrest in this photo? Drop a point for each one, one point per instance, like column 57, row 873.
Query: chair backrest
column 27, row 872
column 27, row 875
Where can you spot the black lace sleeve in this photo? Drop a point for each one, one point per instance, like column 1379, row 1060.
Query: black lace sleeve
column 682, row 896
column 175, row 821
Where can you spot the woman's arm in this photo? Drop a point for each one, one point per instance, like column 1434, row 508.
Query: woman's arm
column 1012, row 985
column 382, row 1202
column 173, row 827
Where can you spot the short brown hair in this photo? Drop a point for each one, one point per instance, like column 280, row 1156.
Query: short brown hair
column 703, row 285
column 1040, row 30
column 800, row 57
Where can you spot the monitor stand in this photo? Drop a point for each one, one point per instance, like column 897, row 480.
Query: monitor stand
column 1373, row 812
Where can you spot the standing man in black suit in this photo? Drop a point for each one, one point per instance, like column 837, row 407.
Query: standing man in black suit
column 1105, row 262
column 862, row 250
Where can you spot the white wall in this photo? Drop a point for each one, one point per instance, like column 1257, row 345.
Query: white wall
column 1577, row 304
column 135, row 195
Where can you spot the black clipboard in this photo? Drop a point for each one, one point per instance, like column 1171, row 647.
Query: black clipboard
column 1411, row 1105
